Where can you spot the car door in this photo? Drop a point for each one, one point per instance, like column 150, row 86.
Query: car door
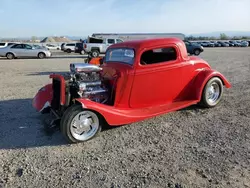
column 157, row 78
column 17, row 49
column 28, row 51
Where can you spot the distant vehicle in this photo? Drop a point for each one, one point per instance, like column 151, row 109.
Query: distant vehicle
column 62, row 46
column 230, row 44
column 38, row 46
column 223, row 44
column 79, row 48
column 193, row 48
column 97, row 46
column 235, row 43
column 244, row 44
column 4, row 44
column 207, row 44
column 52, row 47
column 23, row 50
column 69, row 47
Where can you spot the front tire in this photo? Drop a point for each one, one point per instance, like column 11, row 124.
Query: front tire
column 212, row 93
column 41, row 55
column 80, row 125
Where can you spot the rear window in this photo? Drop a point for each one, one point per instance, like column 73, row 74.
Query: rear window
column 123, row 55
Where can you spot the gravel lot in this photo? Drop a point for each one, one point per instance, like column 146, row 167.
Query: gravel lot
column 188, row 148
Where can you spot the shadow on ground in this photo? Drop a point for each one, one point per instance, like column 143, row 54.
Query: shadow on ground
column 21, row 126
column 45, row 73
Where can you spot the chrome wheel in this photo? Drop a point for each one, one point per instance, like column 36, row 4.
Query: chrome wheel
column 213, row 92
column 84, row 125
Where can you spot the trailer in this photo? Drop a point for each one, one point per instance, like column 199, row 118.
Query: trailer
column 138, row 36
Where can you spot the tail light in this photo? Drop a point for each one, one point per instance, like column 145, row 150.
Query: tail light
column 85, row 46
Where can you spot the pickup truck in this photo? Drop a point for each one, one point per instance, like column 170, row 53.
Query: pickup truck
column 136, row 80
column 193, row 48
column 97, row 46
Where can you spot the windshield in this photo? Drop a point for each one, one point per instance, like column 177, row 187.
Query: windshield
column 123, row 55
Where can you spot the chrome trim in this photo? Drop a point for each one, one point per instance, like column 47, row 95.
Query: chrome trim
column 84, row 67
column 46, row 105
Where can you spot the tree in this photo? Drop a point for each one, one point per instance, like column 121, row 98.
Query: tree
column 223, row 36
column 33, row 38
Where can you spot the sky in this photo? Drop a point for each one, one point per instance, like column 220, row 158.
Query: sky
column 25, row 18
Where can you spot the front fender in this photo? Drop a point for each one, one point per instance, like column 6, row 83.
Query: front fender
column 43, row 98
column 203, row 77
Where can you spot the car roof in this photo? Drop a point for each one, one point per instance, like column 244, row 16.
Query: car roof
column 140, row 44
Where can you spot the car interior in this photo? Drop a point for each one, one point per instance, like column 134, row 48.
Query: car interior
column 158, row 56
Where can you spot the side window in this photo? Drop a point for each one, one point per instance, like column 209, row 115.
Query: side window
column 2, row 44
column 17, row 46
column 111, row 41
column 26, row 46
column 118, row 40
column 158, row 55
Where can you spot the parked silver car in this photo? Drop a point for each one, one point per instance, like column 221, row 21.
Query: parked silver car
column 23, row 50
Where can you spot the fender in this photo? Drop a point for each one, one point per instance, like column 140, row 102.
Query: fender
column 43, row 98
column 203, row 77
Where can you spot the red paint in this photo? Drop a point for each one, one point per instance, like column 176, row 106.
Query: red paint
column 145, row 91
column 43, row 95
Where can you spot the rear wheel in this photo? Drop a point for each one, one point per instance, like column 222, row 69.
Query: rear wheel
column 80, row 125
column 95, row 53
column 212, row 92
column 197, row 52
column 68, row 50
column 10, row 56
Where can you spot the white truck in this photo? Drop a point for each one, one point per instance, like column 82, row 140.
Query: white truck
column 96, row 46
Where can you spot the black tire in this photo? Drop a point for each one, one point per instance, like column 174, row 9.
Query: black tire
column 10, row 55
column 68, row 50
column 197, row 52
column 65, row 124
column 95, row 53
column 208, row 103
column 41, row 55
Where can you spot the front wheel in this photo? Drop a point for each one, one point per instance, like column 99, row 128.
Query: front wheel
column 80, row 125
column 41, row 55
column 212, row 92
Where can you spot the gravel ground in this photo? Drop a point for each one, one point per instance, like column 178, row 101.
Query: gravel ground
column 189, row 148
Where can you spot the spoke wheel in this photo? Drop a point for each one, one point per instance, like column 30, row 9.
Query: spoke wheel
column 79, row 125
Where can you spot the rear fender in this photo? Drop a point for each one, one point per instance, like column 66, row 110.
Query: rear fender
column 203, row 77
column 43, row 98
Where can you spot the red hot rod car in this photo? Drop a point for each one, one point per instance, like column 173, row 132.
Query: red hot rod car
column 136, row 80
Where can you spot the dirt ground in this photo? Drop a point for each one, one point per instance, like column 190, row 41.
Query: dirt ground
column 192, row 147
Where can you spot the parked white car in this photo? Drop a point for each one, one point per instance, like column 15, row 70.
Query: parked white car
column 24, row 50
column 69, row 47
column 4, row 44
column 52, row 47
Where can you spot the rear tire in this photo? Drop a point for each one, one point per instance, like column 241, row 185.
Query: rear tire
column 68, row 50
column 80, row 125
column 212, row 93
column 10, row 55
column 95, row 53
column 197, row 52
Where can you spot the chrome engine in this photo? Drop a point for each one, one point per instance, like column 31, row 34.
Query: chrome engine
column 87, row 81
